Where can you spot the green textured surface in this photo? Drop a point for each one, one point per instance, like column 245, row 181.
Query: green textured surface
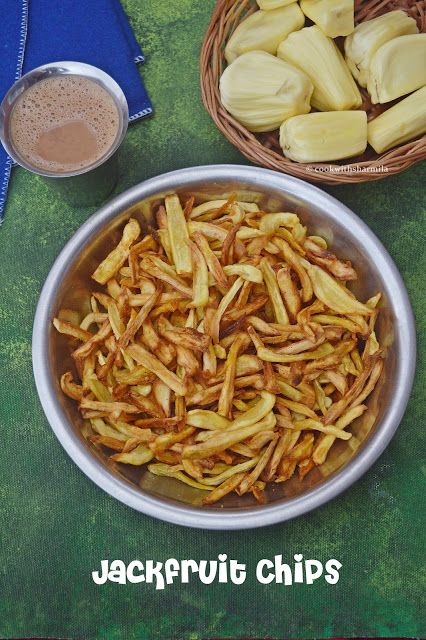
column 56, row 525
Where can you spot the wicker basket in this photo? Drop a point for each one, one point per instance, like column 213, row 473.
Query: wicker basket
column 263, row 149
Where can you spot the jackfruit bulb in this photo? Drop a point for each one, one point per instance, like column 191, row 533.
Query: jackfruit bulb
column 397, row 68
column 402, row 122
column 326, row 136
column 334, row 17
column 368, row 36
column 318, row 56
column 264, row 30
column 261, row 91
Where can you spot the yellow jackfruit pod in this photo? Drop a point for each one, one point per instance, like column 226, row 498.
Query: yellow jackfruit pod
column 268, row 5
column 318, row 56
column 368, row 36
column 334, row 17
column 323, row 137
column 402, row 122
column 261, row 91
column 264, row 30
column 397, row 68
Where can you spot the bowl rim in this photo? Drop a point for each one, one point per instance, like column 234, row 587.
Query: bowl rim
column 230, row 519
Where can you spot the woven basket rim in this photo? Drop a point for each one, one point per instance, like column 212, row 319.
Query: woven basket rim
column 224, row 19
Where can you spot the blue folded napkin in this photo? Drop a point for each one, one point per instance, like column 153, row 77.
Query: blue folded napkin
column 35, row 32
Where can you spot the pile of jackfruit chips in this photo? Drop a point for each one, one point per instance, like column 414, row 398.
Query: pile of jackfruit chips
column 278, row 70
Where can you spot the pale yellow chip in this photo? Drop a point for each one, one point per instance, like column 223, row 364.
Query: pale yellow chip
column 178, row 234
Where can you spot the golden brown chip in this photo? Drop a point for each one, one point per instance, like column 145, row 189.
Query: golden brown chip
column 251, row 478
column 224, row 303
column 166, row 440
column 109, row 407
column 323, row 258
column 69, row 329
column 248, row 309
column 212, row 261
column 70, row 388
column 294, row 262
column 270, row 278
column 137, row 322
column 112, row 263
column 183, row 336
column 146, row 404
column 286, row 442
column 150, row 362
column 298, row 453
column 338, row 408
column 222, row 490
column 88, row 347
column 107, row 441
column 156, row 267
column 227, row 392
column 289, row 292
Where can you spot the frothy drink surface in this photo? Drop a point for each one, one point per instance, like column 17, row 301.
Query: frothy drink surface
column 64, row 123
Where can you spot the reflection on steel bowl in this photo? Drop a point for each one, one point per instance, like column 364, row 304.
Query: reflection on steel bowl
column 158, row 493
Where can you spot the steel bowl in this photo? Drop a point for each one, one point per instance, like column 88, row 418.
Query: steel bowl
column 68, row 285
